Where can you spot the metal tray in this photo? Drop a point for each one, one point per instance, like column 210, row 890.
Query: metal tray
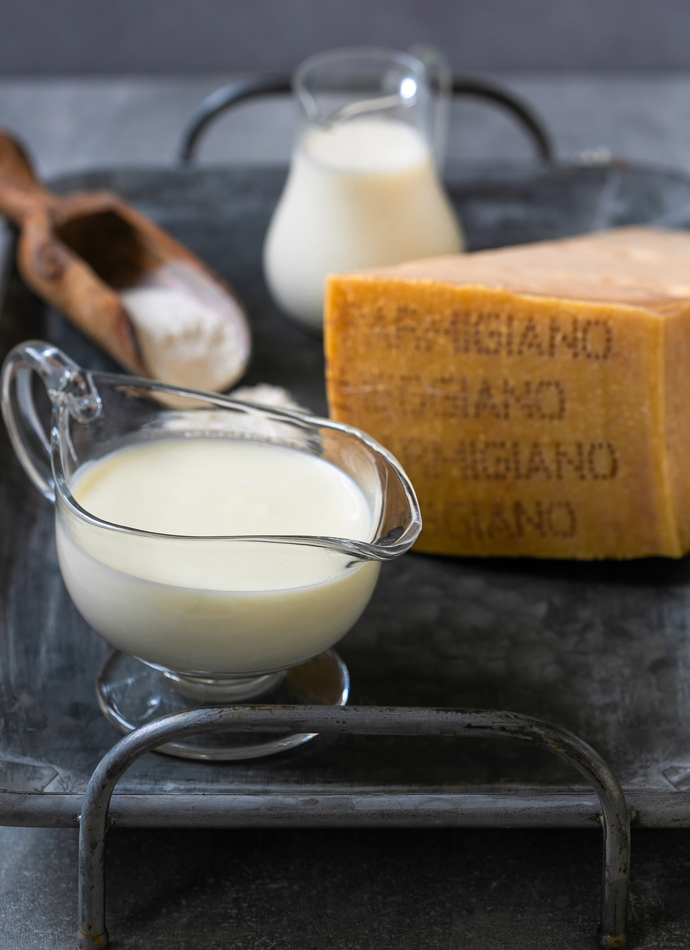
column 601, row 649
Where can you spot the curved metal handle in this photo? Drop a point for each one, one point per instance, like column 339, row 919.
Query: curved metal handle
column 251, row 87
column 355, row 720
column 62, row 378
column 519, row 109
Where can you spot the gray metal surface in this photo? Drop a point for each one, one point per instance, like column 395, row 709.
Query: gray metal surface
column 600, row 649
column 342, row 889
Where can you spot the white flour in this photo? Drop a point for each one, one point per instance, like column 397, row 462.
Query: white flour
column 215, row 423
column 265, row 394
column 184, row 341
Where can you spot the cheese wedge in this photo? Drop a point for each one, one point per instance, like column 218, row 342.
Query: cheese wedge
column 537, row 396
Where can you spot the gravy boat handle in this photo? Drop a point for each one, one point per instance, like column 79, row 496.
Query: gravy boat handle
column 64, row 381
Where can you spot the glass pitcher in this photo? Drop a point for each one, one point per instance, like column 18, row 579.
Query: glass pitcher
column 189, row 619
column 363, row 188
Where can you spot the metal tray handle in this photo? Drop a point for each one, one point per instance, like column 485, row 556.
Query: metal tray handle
column 357, row 720
column 250, row 87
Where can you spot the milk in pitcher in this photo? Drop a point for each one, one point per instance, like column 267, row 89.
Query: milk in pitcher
column 361, row 193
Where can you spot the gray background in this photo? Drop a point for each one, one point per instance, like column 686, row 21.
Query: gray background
column 39, row 37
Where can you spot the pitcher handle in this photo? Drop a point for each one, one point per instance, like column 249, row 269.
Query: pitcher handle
column 59, row 374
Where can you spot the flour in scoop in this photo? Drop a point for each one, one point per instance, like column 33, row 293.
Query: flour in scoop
column 183, row 340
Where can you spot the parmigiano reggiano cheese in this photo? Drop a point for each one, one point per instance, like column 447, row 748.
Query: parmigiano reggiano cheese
column 537, row 396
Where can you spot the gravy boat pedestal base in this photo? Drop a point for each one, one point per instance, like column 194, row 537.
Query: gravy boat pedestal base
column 132, row 694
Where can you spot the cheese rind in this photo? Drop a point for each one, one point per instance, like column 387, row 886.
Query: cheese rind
column 531, row 421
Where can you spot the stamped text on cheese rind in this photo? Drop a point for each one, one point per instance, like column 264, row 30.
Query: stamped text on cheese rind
column 499, row 334
column 507, row 520
column 460, row 397
column 503, row 460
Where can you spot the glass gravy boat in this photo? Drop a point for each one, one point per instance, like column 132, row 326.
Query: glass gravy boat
column 187, row 629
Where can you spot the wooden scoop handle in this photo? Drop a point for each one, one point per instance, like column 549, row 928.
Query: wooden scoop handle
column 54, row 271
column 20, row 192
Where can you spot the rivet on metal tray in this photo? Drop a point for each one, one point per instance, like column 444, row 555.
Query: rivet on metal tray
column 678, row 776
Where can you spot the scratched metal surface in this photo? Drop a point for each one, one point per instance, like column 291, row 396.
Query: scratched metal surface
column 601, row 649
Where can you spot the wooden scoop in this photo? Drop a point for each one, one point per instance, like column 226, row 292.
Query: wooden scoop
column 77, row 252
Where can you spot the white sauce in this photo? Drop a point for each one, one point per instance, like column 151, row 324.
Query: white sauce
column 210, row 605
column 361, row 194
